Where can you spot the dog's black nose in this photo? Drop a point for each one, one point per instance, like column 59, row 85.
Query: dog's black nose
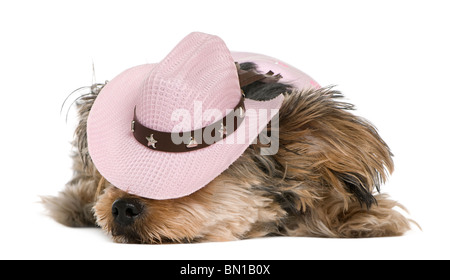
column 126, row 210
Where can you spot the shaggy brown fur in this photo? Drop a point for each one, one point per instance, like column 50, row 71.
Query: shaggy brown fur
column 320, row 183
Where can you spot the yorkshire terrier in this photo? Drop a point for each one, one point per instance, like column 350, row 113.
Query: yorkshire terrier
column 324, row 181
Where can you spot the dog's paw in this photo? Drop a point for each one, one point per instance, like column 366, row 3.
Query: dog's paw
column 379, row 221
column 70, row 208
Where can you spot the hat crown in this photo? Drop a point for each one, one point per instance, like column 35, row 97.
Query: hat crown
column 197, row 75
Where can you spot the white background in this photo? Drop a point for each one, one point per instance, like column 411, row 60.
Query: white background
column 390, row 58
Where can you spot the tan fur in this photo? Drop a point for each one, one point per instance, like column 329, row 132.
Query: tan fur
column 318, row 184
column 218, row 212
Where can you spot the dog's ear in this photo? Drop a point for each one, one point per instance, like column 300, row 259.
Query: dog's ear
column 263, row 90
column 334, row 147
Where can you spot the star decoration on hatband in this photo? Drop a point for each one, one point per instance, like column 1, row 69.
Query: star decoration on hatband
column 222, row 130
column 192, row 143
column 241, row 112
column 151, row 141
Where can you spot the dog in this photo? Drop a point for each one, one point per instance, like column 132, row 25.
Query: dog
column 324, row 180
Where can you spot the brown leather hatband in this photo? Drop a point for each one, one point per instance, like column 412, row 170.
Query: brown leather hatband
column 190, row 140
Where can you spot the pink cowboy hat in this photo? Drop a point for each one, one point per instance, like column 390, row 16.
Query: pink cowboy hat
column 132, row 120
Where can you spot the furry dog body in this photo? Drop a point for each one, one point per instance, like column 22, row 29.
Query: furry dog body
column 320, row 183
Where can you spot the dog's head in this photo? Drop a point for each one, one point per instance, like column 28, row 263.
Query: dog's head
column 229, row 207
